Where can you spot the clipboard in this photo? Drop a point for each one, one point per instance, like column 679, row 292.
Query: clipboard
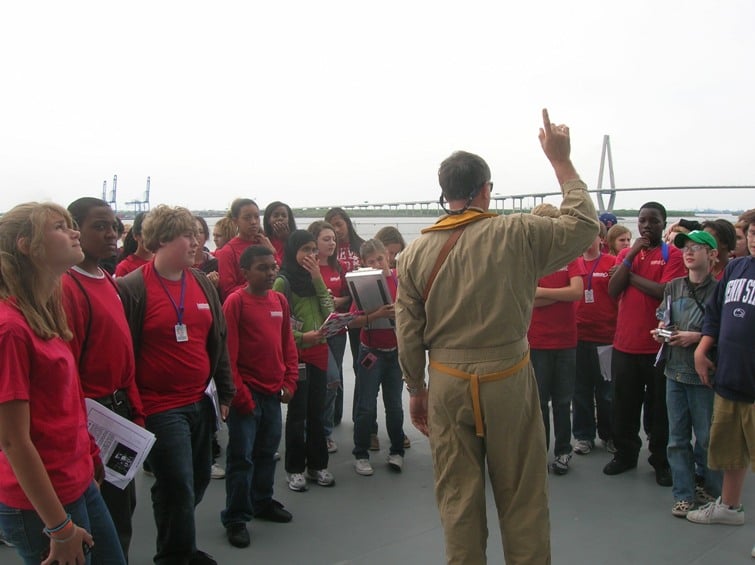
column 369, row 290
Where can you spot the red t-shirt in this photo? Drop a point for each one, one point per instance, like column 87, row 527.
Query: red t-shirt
column 636, row 309
column 348, row 259
column 43, row 372
column 279, row 245
column 596, row 320
column 380, row 338
column 107, row 363
column 229, row 271
column 555, row 326
column 130, row 263
column 170, row 373
column 261, row 345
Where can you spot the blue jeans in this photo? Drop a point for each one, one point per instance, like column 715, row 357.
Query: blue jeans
column 23, row 528
column 250, row 468
column 385, row 372
column 336, row 349
column 591, row 391
column 555, row 371
column 690, row 408
column 305, row 435
column 181, row 460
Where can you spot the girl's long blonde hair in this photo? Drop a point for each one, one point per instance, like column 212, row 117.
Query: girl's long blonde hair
column 23, row 275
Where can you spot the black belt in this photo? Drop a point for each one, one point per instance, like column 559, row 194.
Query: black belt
column 114, row 400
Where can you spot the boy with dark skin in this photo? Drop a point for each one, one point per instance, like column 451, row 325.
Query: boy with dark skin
column 264, row 362
column 639, row 278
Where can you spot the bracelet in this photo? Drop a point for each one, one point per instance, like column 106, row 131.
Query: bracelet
column 627, row 264
column 58, row 528
column 64, row 540
column 415, row 390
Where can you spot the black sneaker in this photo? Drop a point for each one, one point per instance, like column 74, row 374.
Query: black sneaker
column 201, row 558
column 617, row 466
column 663, row 476
column 274, row 512
column 237, row 534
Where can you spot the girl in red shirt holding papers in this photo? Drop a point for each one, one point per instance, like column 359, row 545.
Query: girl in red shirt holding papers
column 246, row 215
column 333, row 275
column 50, row 506
column 101, row 341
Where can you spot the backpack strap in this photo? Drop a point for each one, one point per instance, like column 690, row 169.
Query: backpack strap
column 444, row 251
column 85, row 342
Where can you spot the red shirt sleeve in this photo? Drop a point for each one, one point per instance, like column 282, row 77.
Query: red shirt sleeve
column 243, row 400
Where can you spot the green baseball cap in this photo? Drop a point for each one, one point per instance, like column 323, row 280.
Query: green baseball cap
column 698, row 236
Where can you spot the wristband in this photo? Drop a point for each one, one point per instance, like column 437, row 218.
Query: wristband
column 59, row 528
column 627, row 264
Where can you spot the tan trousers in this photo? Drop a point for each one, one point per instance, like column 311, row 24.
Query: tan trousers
column 514, row 448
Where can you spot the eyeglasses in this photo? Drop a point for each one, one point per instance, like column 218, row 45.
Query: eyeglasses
column 490, row 182
column 693, row 248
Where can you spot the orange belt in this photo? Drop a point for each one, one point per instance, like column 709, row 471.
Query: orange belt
column 476, row 380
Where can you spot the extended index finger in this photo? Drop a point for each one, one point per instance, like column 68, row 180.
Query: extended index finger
column 546, row 121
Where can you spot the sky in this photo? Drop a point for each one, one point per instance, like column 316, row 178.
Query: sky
column 342, row 102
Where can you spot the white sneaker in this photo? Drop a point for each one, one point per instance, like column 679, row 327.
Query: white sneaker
column 395, row 462
column 717, row 513
column 322, row 477
column 363, row 467
column 217, row 472
column 582, row 447
column 297, row 482
column 332, row 445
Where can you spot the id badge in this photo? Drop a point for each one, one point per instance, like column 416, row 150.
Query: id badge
column 589, row 296
column 182, row 334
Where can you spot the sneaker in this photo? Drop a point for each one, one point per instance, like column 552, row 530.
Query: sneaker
column 201, row 558
column 396, row 462
column 717, row 513
column 322, row 477
column 374, row 442
column 4, row 541
column 363, row 467
column 702, row 496
column 617, row 466
column 560, row 464
column 610, row 446
column 274, row 512
column 238, row 534
column 217, row 472
column 663, row 476
column 297, row 482
column 582, row 447
column 332, row 445
column 407, row 443
column 682, row 507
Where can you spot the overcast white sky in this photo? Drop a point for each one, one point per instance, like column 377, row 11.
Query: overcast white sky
column 338, row 102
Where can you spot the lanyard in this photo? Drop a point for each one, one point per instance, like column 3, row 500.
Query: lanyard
column 179, row 308
column 595, row 266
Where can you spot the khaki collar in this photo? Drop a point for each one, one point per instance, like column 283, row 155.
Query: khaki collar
column 457, row 220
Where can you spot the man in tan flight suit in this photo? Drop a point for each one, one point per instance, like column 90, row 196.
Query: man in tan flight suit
column 483, row 403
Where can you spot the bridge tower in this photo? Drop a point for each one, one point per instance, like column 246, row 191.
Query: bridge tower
column 606, row 154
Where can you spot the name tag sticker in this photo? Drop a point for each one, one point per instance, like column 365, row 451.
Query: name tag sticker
column 203, row 306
